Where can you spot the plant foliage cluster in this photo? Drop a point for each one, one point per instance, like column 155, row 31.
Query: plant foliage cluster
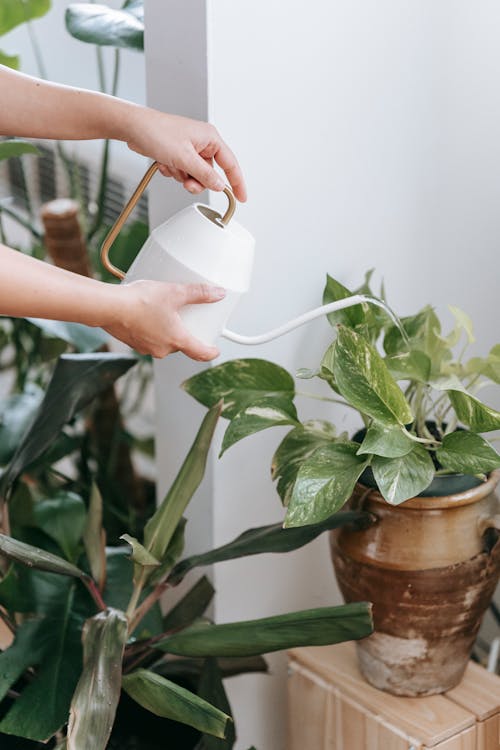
column 417, row 402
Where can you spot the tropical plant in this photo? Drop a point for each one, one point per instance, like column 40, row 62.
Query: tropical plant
column 29, row 347
column 84, row 619
column 417, row 403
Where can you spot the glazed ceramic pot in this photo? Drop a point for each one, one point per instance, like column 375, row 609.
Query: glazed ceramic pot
column 430, row 566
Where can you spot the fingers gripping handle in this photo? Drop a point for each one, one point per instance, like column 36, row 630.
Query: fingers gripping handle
column 117, row 226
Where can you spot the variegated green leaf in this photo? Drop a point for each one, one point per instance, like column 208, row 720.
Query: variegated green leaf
column 325, row 481
column 390, row 441
column 364, row 380
column 240, row 383
column 399, row 479
column 271, row 411
column 467, row 453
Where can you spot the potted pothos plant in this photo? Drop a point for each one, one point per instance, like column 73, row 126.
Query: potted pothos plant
column 419, row 463
column 86, row 647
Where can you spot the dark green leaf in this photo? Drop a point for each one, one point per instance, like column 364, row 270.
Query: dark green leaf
column 119, row 586
column 467, row 453
column 15, row 12
column 270, row 411
column 34, row 557
column 99, row 24
column 399, row 479
column 313, row 627
column 16, row 413
column 164, row 698
column 43, row 706
column 63, row 518
column 76, row 380
column 26, row 650
column 364, row 380
column 240, row 383
column 178, row 669
column 412, row 365
column 83, row 338
column 266, row 539
column 191, row 606
column 97, row 693
column 294, row 449
column 390, row 441
column 211, row 689
column 325, row 481
column 161, row 527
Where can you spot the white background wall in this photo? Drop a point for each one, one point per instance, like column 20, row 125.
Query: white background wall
column 369, row 135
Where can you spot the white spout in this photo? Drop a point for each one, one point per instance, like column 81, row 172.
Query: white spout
column 341, row 304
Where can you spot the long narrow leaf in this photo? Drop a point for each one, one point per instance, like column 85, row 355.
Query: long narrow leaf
column 191, row 606
column 161, row 527
column 76, row 380
column 164, row 698
column 94, row 538
column 96, row 697
column 312, row 627
column 272, row 538
column 34, row 557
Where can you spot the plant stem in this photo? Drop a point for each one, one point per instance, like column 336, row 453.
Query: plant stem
column 136, row 593
column 103, row 179
column 148, row 602
column 94, row 592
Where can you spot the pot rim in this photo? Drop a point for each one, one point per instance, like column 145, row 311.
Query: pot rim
column 473, row 495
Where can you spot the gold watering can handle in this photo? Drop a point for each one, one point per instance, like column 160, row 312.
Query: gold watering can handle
column 141, row 187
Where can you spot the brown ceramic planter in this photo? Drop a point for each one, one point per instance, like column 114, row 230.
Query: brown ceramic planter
column 430, row 567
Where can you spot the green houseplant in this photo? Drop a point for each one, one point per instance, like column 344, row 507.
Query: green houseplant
column 419, row 453
column 61, row 584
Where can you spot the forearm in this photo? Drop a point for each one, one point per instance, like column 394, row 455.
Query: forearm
column 34, row 289
column 33, row 108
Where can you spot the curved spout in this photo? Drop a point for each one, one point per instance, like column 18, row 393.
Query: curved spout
column 341, row 304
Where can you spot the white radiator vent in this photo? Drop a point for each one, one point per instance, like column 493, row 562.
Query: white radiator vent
column 43, row 178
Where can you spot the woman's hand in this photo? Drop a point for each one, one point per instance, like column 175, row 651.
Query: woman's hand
column 185, row 150
column 147, row 317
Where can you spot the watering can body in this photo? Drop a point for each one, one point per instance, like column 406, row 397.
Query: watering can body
column 196, row 245
column 190, row 248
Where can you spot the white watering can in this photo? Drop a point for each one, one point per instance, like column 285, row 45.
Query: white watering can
column 196, row 245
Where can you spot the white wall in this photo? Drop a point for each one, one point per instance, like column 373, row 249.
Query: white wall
column 369, row 136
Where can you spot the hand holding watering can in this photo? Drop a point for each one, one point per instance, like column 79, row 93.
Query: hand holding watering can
column 198, row 245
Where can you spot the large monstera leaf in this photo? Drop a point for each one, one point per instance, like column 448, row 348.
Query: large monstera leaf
column 98, row 24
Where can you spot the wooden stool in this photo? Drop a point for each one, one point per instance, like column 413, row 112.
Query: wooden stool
column 331, row 707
